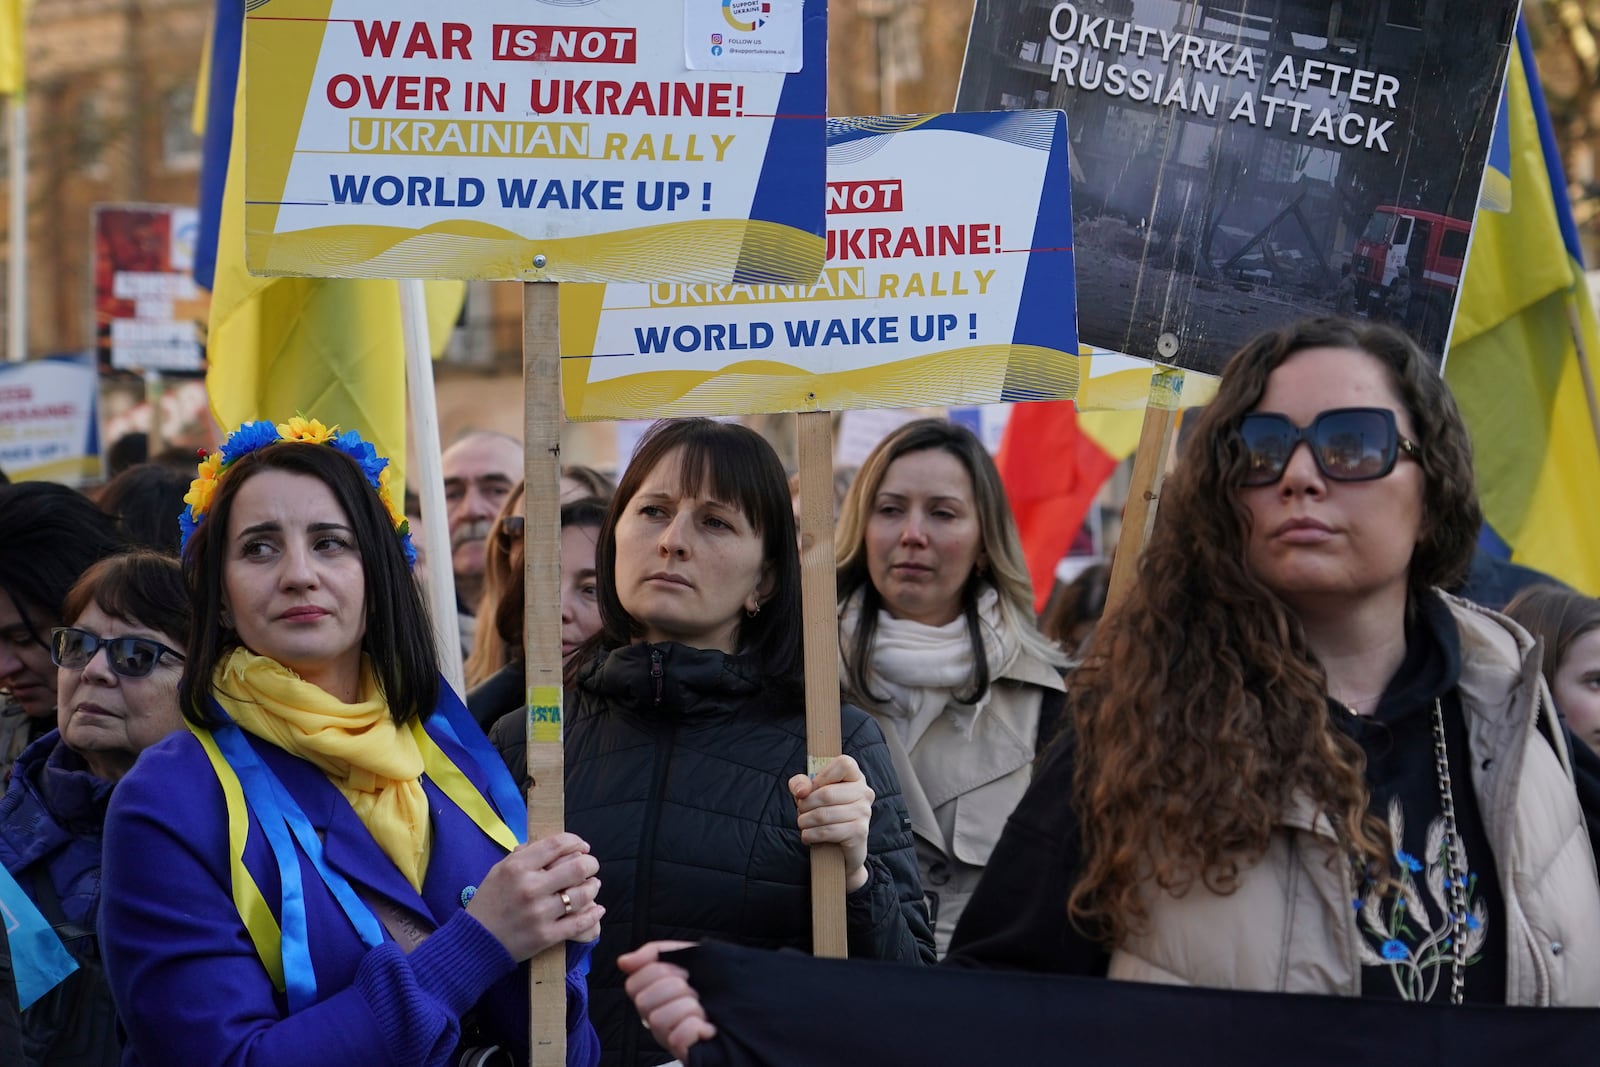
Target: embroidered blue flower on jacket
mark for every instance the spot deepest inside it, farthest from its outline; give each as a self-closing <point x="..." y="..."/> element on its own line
<point x="1407" y="931"/>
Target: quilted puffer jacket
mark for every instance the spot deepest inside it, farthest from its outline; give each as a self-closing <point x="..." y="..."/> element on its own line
<point x="50" y="821"/>
<point x="677" y="761"/>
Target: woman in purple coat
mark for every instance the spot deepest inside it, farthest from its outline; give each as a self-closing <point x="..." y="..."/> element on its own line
<point x="325" y="867"/>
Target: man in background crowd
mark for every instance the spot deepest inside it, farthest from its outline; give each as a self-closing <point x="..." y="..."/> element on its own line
<point x="480" y="470"/>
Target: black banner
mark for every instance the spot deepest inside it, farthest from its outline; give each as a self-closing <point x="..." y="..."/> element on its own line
<point x="789" y="1010"/>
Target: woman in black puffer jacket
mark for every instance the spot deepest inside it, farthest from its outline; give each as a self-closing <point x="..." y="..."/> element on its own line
<point x="685" y="732"/>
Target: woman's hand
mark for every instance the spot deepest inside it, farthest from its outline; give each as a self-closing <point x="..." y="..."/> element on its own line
<point x="664" y="998"/>
<point x="521" y="899"/>
<point x="836" y="809"/>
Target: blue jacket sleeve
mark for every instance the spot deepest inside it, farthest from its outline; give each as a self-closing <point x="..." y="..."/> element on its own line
<point x="188" y="984"/>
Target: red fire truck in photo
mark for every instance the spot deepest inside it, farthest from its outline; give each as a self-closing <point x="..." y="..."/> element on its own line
<point x="1401" y="249"/>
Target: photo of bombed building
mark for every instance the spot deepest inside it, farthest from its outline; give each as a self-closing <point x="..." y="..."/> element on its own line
<point x="1237" y="164"/>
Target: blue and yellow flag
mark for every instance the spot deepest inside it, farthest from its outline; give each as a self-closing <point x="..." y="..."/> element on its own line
<point x="1524" y="328"/>
<point x="333" y="349"/>
<point x="13" y="17"/>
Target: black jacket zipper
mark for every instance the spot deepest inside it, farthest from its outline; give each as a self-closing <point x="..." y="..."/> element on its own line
<point x="666" y="734"/>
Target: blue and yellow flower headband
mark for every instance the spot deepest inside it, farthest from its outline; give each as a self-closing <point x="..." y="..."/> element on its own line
<point x="253" y="436"/>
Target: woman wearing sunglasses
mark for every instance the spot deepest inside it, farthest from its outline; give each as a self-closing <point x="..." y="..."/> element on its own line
<point x="1292" y="764"/>
<point x="326" y="866"/>
<point x="117" y="683"/>
<point x="1296" y="764"/>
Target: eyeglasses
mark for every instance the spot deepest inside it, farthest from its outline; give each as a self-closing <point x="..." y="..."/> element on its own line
<point x="131" y="657"/>
<point x="510" y="531"/>
<point x="1348" y="444"/>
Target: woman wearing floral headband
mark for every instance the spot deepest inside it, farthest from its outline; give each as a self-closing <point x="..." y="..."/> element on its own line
<point x="325" y="867"/>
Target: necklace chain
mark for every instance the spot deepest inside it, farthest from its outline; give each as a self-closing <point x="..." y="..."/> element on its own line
<point x="1351" y="705"/>
<point x="1455" y="861"/>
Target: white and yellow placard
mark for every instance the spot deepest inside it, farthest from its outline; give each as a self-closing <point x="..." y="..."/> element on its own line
<point x="945" y="285"/>
<point x="531" y="140"/>
<point x="48" y="427"/>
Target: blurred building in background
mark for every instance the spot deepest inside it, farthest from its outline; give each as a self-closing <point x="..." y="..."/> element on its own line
<point x="110" y="103"/>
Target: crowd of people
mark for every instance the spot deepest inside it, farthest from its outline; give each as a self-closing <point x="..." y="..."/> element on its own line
<point x="1289" y="761"/>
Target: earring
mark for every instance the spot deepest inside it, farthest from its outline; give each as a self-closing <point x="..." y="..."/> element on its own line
<point x="225" y="619"/>
<point x="751" y="613"/>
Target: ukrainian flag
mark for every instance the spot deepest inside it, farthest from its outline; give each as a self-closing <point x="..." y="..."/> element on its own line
<point x="13" y="17"/>
<point x="333" y="350"/>
<point x="1525" y="334"/>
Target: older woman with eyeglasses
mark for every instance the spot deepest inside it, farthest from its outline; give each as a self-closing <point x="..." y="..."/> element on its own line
<point x="49" y="535"/>
<point x="117" y="694"/>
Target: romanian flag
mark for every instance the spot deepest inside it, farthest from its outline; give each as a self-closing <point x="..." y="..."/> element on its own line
<point x="333" y="350"/>
<point x="1523" y="333"/>
<point x="13" y="17"/>
<point x="1053" y="460"/>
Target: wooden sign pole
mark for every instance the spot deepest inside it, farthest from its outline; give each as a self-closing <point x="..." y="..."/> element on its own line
<point x="542" y="635"/>
<point x="1144" y="490"/>
<point x="819" y="602"/>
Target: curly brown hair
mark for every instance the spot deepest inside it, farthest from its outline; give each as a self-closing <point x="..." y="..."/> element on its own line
<point x="1200" y="708"/>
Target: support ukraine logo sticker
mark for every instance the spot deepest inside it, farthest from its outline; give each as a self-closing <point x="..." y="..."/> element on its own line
<point x="747" y="16"/>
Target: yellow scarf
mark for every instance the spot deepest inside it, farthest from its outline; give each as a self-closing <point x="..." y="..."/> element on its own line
<point x="374" y="763"/>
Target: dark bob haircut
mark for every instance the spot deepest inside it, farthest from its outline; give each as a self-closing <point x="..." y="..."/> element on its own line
<point x="734" y="464"/>
<point x="141" y="586"/>
<point x="145" y="501"/>
<point x="1451" y="516"/>
<point x="49" y="535"/>
<point x="509" y="614"/>
<point x="398" y="641"/>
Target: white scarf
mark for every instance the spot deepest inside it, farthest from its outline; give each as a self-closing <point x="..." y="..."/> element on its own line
<point x="919" y="668"/>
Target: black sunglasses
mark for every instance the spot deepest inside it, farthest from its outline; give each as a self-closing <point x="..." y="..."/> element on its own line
<point x="1348" y="444"/>
<point x="131" y="657"/>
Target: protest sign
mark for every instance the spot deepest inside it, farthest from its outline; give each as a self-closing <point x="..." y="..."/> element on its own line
<point x="48" y="430"/>
<point x="545" y="141"/>
<point x="1232" y="160"/>
<point x="148" y="310"/>
<point x="945" y="284"/>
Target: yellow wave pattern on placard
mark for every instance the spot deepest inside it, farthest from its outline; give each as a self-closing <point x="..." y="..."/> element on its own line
<point x="73" y="470"/>
<point x="696" y="250"/>
<point x="977" y="374"/>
